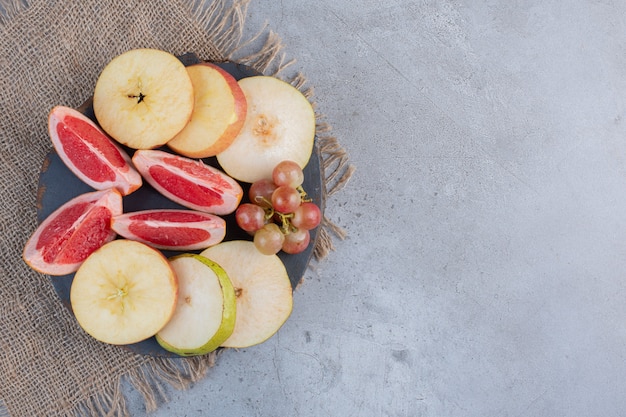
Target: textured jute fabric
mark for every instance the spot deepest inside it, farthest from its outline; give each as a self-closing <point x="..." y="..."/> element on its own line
<point x="51" y="53"/>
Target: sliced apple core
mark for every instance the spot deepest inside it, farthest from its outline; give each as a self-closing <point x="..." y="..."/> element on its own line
<point x="263" y="291"/>
<point x="218" y="115"/>
<point x="143" y="98"/>
<point x="124" y="292"/>
<point x="280" y="125"/>
<point x="205" y="311"/>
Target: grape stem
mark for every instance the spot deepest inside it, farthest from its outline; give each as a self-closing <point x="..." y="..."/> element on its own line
<point x="304" y="197"/>
<point x="285" y="218"/>
<point x="285" y="223"/>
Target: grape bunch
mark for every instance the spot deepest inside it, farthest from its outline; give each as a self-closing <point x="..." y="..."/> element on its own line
<point x="279" y="214"/>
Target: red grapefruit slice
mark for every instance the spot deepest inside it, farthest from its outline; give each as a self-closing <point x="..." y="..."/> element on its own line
<point x="89" y="153"/>
<point x="171" y="229"/>
<point x="189" y="182"/>
<point x="72" y="232"/>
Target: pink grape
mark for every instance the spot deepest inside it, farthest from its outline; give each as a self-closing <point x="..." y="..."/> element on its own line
<point x="250" y="217"/>
<point x="286" y="199"/>
<point x="296" y="242"/>
<point x="269" y="239"/>
<point x="288" y="173"/>
<point x="261" y="191"/>
<point x="308" y="216"/>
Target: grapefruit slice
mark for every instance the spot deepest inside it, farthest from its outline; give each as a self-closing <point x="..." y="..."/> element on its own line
<point x="72" y="232"/>
<point x="171" y="229"/>
<point x="89" y="153"/>
<point x="189" y="182"/>
<point x="262" y="287"/>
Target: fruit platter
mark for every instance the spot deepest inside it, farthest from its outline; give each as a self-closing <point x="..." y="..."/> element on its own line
<point x="179" y="207"/>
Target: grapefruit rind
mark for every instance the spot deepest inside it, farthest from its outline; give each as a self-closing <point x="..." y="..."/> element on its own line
<point x="112" y="160"/>
<point x="70" y="239"/>
<point x="189" y="182"/>
<point x="171" y="229"/>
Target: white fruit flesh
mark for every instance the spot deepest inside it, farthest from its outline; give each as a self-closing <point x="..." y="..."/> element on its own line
<point x="143" y="98"/>
<point x="124" y="293"/>
<point x="263" y="290"/>
<point x="205" y="312"/>
<point x="218" y="115"/>
<point x="280" y="125"/>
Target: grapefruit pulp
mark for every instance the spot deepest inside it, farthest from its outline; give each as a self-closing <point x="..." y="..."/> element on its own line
<point x="171" y="229"/>
<point x="189" y="182"/>
<point x="72" y="232"/>
<point x="89" y="153"/>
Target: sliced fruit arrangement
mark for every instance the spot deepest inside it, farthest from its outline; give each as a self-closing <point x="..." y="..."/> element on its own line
<point x="218" y="114"/>
<point x="171" y="229"/>
<point x="124" y="292"/>
<point x="262" y="288"/>
<point x="205" y="312"/>
<point x="234" y="293"/>
<point x="89" y="153"/>
<point x="143" y="98"/>
<point x="72" y="232"/>
<point x="188" y="182"/>
<point x="280" y="125"/>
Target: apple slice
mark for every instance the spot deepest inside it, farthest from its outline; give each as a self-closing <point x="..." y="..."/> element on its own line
<point x="205" y="311"/>
<point x="143" y="98"/>
<point x="279" y="126"/>
<point x="262" y="287"/>
<point x="218" y="115"/>
<point x="124" y="292"/>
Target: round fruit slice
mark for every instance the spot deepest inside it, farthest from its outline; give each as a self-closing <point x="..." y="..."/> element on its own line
<point x="171" y="229"/>
<point x="189" y="182"/>
<point x="143" y="98"/>
<point x="218" y="114"/>
<point x="72" y="232"/>
<point x="280" y="125"/>
<point x="262" y="287"/>
<point x="205" y="311"/>
<point x="89" y="153"/>
<point x="124" y="292"/>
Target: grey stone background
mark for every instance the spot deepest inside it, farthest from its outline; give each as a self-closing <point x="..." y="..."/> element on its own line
<point x="484" y="270"/>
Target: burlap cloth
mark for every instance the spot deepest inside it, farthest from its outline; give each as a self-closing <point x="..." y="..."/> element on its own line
<point x="51" y="52"/>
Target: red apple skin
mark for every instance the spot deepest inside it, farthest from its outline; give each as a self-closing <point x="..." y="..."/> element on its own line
<point x="241" y="109"/>
<point x="227" y="137"/>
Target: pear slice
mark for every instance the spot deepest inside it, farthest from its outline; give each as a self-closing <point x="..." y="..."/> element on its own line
<point x="124" y="292"/>
<point x="279" y="126"/>
<point x="205" y="311"/>
<point x="262" y="287"/>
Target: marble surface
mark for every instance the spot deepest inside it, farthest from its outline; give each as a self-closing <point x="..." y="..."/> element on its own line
<point x="484" y="269"/>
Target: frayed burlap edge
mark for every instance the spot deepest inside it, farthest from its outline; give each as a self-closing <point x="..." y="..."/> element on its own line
<point x="225" y="21"/>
